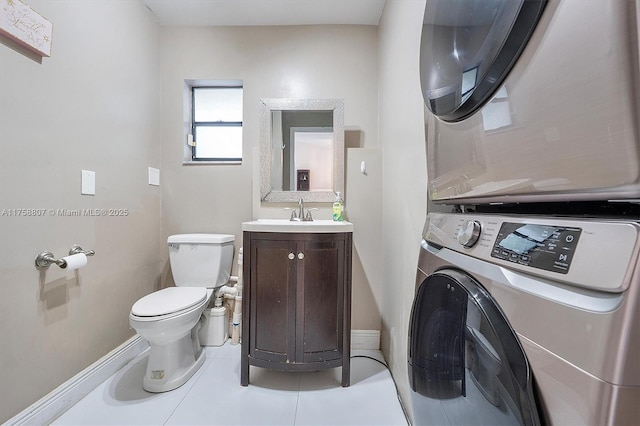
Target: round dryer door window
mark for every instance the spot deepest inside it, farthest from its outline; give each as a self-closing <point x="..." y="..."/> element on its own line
<point x="466" y="365"/>
<point x="467" y="49"/>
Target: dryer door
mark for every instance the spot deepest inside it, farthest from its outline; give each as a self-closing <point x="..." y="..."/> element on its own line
<point x="466" y="365"/>
<point x="556" y="113"/>
<point x="467" y="49"/>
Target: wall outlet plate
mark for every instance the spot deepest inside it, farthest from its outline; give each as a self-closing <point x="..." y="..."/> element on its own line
<point x="88" y="186"/>
<point x="154" y="176"/>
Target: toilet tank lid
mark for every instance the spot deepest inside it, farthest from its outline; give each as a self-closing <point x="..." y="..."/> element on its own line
<point x="200" y="238"/>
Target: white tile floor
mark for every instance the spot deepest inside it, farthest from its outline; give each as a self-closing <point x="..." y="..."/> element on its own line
<point x="214" y="396"/>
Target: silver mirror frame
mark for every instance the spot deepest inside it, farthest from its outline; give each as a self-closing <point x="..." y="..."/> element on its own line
<point x="286" y="104"/>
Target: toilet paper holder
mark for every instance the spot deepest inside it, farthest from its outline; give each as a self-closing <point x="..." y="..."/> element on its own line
<point x="46" y="258"/>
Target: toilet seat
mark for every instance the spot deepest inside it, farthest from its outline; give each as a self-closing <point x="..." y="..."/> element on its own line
<point x="168" y="302"/>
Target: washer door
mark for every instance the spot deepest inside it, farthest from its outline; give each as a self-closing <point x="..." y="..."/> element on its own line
<point x="467" y="49"/>
<point x="466" y="365"/>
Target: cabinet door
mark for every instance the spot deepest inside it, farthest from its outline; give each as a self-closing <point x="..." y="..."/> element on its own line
<point x="320" y="299"/>
<point x="273" y="299"/>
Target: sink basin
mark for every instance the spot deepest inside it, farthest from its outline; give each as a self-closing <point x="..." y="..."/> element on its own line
<point x="286" y="225"/>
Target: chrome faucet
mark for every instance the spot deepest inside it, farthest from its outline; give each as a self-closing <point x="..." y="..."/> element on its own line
<point x="301" y="216"/>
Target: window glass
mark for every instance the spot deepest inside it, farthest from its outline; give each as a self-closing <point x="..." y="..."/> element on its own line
<point x="216" y="123"/>
<point x="217" y="104"/>
<point x="219" y="142"/>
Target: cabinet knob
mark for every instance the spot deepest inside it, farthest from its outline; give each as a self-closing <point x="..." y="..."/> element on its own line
<point x="300" y="255"/>
<point x="291" y="256"/>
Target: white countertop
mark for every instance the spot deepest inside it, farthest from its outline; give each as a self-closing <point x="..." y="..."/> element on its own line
<point x="286" y="225"/>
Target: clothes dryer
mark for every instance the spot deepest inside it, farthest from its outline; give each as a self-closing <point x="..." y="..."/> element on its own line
<point x="526" y="320"/>
<point x="531" y="100"/>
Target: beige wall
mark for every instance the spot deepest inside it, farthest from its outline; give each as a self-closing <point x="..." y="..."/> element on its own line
<point x="273" y="62"/>
<point x="404" y="190"/>
<point x="110" y="100"/>
<point x="92" y="105"/>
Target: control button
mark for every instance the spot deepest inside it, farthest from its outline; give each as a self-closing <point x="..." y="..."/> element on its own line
<point x="469" y="233"/>
<point x="569" y="238"/>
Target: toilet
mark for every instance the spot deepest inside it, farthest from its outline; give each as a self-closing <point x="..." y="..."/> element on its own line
<point x="169" y="318"/>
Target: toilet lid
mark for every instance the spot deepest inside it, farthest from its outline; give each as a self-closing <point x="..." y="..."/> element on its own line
<point x="169" y="300"/>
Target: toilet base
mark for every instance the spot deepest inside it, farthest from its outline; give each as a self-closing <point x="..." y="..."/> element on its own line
<point x="172" y="365"/>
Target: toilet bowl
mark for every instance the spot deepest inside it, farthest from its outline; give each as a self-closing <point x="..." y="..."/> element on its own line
<point x="169" y="318"/>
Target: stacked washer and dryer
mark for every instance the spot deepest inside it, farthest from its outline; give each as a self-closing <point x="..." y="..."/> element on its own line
<point x="527" y="305"/>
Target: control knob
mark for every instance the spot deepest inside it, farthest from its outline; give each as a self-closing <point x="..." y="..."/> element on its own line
<point x="469" y="233"/>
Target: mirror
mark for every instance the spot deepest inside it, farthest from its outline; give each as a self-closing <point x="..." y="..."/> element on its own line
<point x="301" y="149"/>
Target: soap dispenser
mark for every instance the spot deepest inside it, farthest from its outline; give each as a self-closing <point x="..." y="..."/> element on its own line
<point x="338" y="208"/>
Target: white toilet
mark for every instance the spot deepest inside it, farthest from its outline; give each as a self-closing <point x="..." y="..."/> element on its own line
<point x="167" y="318"/>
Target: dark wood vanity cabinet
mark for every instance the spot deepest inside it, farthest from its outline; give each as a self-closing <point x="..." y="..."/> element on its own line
<point x="296" y="302"/>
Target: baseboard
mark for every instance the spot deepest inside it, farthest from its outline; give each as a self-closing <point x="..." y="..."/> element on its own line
<point x="365" y="339"/>
<point x="56" y="402"/>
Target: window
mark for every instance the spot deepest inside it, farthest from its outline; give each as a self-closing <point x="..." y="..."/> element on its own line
<point x="216" y="123"/>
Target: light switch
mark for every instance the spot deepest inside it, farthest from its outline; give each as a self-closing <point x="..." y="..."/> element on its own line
<point x="88" y="183"/>
<point x="154" y="176"/>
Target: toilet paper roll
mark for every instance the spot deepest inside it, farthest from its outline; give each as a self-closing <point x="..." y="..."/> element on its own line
<point x="75" y="261"/>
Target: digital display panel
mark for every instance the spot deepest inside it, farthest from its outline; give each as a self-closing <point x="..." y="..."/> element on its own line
<point x="540" y="246"/>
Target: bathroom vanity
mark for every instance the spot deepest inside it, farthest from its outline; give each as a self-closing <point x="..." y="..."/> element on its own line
<point x="296" y="296"/>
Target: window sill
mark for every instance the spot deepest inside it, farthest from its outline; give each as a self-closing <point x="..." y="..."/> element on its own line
<point x="211" y="163"/>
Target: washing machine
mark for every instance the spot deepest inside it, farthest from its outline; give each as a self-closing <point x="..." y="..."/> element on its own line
<point x="527" y="296"/>
<point x="531" y="100"/>
<point x="526" y="320"/>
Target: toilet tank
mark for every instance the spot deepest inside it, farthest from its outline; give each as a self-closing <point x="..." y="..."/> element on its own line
<point x="201" y="260"/>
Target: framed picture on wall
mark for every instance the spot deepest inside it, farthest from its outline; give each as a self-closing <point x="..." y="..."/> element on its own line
<point x="23" y="25"/>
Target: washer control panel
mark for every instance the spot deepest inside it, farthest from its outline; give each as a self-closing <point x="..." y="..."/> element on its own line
<point x="591" y="253"/>
<point x="540" y="246"/>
